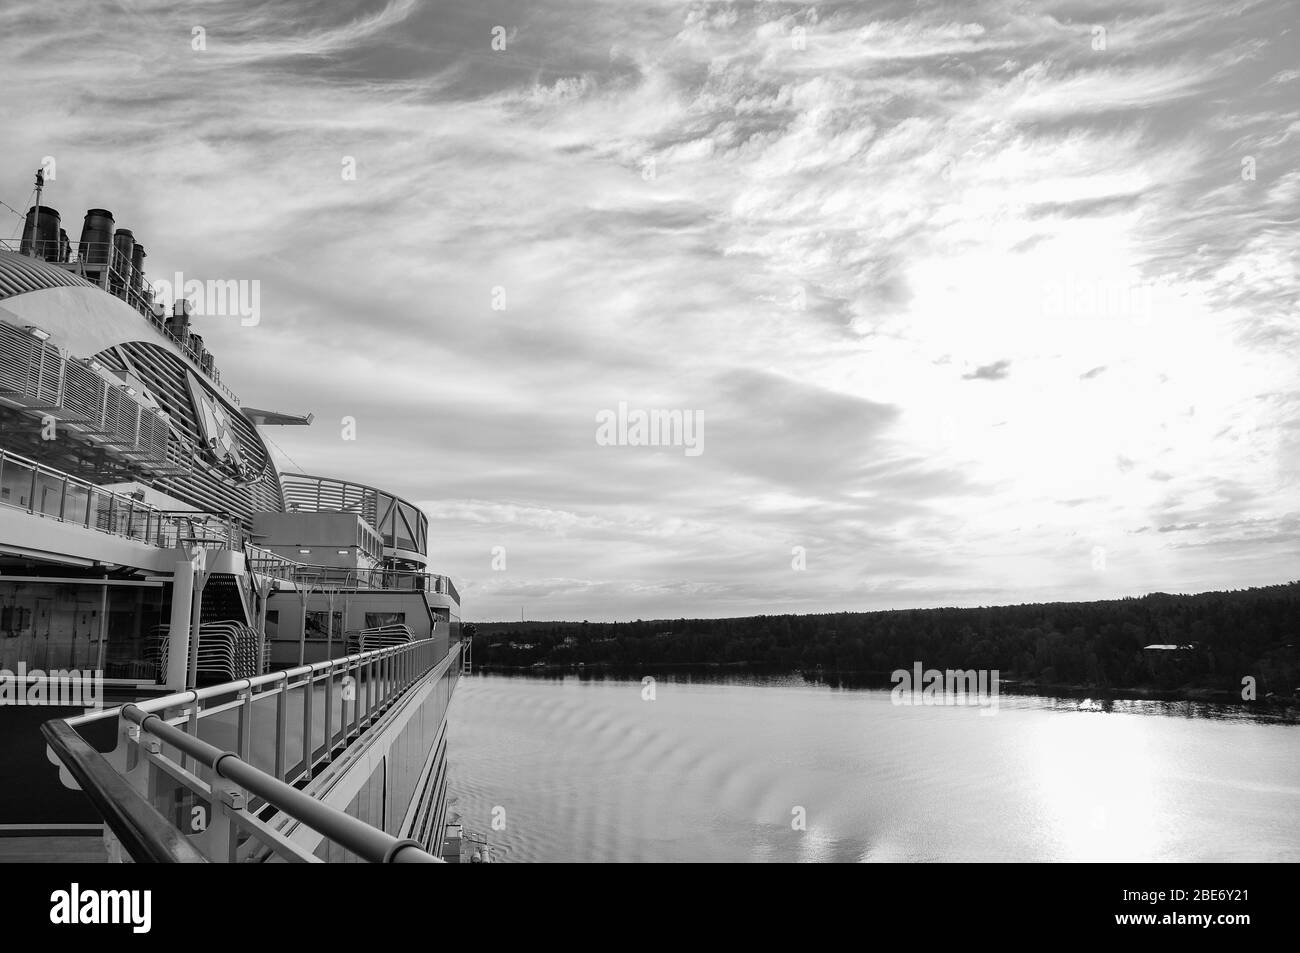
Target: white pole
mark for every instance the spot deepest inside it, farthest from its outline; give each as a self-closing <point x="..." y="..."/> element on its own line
<point x="178" y="633"/>
<point x="103" y="625"/>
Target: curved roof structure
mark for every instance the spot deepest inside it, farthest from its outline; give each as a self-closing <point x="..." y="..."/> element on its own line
<point x="403" y="525"/>
<point x="217" y="460"/>
<point x="19" y="274"/>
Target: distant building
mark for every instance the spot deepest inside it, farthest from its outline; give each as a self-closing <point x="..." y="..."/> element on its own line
<point x="1163" y="658"/>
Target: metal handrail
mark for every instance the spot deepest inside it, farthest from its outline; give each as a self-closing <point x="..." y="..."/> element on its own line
<point x="191" y="697"/>
<point x="355" y="580"/>
<point x="267" y="562"/>
<point x="124" y="515"/>
<point x="144" y="832"/>
<point x="321" y="494"/>
<point x="367" y="842"/>
<point x="381" y="677"/>
<point x="81" y="395"/>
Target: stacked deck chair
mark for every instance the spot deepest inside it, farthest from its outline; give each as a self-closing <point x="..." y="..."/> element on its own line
<point x="384" y="636"/>
<point x="155" y="648"/>
<point x="227" y="650"/>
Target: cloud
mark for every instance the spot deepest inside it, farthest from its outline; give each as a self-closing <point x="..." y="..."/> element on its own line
<point x="793" y="220"/>
<point x="996" y="371"/>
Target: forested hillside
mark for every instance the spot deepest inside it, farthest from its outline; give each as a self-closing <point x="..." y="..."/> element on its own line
<point x="1225" y="635"/>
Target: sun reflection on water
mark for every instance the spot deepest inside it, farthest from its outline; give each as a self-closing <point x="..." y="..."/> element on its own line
<point x="1094" y="774"/>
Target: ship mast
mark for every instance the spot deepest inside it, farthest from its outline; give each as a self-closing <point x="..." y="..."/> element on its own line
<point x="36" y="217"/>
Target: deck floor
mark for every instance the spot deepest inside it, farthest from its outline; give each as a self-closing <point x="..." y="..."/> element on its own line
<point x="43" y="849"/>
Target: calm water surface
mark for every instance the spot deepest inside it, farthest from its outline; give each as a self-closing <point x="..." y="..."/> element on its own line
<point x="586" y="770"/>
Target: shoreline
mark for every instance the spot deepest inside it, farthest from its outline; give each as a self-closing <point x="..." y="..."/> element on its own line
<point x="881" y="680"/>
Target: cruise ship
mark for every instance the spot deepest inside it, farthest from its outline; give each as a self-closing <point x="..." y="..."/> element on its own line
<point x="202" y="658"/>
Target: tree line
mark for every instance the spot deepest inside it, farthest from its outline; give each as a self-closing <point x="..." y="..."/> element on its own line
<point x="1222" y="637"/>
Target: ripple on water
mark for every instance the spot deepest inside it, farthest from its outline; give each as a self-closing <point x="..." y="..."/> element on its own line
<point x="587" y="771"/>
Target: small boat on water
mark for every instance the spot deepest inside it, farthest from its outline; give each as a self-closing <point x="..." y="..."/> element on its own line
<point x="460" y="845"/>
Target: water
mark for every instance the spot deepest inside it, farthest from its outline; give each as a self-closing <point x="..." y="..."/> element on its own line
<point x="586" y="770"/>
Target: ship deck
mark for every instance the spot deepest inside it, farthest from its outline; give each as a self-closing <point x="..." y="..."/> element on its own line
<point x="87" y="848"/>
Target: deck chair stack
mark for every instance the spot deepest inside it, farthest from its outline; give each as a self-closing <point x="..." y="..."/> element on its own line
<point x="227" y="650"/>
<point x="384" y="636"/>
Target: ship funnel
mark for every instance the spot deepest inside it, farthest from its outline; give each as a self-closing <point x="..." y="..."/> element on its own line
<point x="137" y="268"/>
<point x="96" y="237"/>
<point x="41" y="233"/>
<point x="178" y="325"/>
<point x="123" y="253"/>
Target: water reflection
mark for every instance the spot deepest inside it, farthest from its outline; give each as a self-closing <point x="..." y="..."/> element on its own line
<point x="1262" y="710"/>
<point x="715" y="767"/>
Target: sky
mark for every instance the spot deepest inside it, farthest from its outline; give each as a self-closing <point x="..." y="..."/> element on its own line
<point x="966" y="303"/>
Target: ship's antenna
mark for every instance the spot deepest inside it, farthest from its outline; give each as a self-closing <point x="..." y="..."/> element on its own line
<point x="36" y="218"/>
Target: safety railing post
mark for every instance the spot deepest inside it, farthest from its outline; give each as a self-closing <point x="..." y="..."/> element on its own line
<point x="136" y="769"/>
<point x="281" y="727"/>
<point x="245" y="722"/>
<point x="393" y="661"/>
<point x="371" y="688"/>
<point x="309" y="691"/>
<point x="329" y="711"/>
<point x="356" y="697"/>
<point x="193" y="728"/>
<point x="222" y="835"/>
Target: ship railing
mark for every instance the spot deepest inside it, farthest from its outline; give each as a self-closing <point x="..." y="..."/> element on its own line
<point x="400" y="523"/>
<point x="350" y="580"/>
<point x="54" y="494"/>
<point x="66" y="392"/>
<point x="224" y="766"/>
<point x="267" y="562"/>
<point x="102" y="264"/>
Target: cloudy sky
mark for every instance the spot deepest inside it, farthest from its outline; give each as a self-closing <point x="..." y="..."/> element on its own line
<point x="978" y="302"/>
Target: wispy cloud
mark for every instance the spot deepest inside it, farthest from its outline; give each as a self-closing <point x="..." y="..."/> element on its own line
<point x="821" y="227"/>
